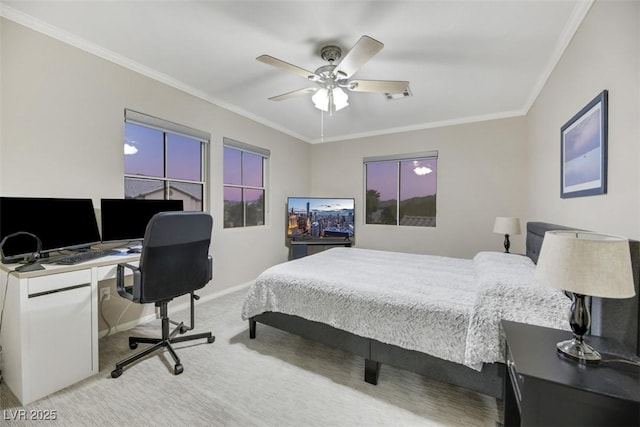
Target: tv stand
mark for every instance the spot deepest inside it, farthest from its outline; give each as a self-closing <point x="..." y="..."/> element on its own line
<point x="300" y="248"/>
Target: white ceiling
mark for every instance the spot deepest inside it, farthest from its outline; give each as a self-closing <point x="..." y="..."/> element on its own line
<point x="465" y="60"/>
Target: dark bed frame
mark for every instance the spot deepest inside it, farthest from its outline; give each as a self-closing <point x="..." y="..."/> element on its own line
<point x="612" y="318"/>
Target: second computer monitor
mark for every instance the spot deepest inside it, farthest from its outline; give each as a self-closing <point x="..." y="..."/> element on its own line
<point x="125" y="220"/>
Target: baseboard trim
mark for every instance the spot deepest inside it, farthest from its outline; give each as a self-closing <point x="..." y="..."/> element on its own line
<point x="127" y="325"/>
<point x="172" y="309"/>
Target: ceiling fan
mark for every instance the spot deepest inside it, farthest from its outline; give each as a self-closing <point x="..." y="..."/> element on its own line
<point x="331" y="80"/>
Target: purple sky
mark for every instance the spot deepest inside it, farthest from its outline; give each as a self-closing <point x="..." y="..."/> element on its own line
<point x="381" y="176"/>
<point x="242" y="168"/>
<point x="183" y="154"/>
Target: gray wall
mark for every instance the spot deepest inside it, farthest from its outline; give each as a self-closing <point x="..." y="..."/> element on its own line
<point x="511" y="167"/>
<point x="481" y="175"/>
<point x="62" y="134"/>
<point x="604" y="54"/>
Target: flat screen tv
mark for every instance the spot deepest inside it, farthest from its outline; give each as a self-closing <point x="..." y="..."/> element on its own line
<point x="125" y="220"/>
<point x="320" y="217"/>
<point x="59" y="223"/>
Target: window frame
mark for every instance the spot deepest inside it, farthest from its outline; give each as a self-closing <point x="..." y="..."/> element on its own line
<point x="397" y="159"/>
<point x="170" y="128"/>
<point x="254" y="150"/>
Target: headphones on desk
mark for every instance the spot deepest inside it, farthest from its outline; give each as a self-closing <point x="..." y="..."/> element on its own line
<point x="31" y="262"/>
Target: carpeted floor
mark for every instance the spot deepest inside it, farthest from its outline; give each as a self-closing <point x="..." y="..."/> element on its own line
<point x="277" y="379"/>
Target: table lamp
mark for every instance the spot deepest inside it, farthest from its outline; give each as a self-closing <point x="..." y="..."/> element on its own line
<point x="507" y="226"/>
<point x="586" y="264"/>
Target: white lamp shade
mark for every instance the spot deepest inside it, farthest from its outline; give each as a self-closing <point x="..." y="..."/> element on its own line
<point x="507" y="225"/>
<point x="321" y="99"/>
<point x="586" y="263"/>
<point x="340" y="98"/>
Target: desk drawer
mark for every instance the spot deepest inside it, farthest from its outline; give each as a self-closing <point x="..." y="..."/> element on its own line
<point x="59" y="281"/>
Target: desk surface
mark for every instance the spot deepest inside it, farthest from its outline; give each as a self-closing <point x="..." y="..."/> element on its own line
<point x="57" y="268"/>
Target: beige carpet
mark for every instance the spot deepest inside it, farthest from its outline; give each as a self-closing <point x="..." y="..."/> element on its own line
<point x="277" y="379"/>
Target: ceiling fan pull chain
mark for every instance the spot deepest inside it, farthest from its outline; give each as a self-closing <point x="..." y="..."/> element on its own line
<point x="332" y="105"/>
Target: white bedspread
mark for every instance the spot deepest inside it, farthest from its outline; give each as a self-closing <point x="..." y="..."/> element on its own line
<point x="446" y="307"/>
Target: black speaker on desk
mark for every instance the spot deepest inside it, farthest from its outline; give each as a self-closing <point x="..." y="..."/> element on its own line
<point x="28" y="257"/>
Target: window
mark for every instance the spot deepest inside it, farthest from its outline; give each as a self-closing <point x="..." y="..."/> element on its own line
<point x="401" y="190"/>
<point x="244" y="184"/>
<point x="164" y="160"/>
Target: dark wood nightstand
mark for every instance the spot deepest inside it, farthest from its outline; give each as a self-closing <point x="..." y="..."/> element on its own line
<point x="544" y="389"/>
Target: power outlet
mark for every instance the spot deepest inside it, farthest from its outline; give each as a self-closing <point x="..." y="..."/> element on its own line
<point x="105" y="294"/>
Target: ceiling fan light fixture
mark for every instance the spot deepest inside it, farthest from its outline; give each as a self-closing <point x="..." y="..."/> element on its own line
<point x="334" y="78"/>
<point x="322" y="99"/>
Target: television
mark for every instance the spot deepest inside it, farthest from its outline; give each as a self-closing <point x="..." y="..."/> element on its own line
<point x="59" y="223"/>
<point x="125" y="220"/>
<point x="320" y="218"/>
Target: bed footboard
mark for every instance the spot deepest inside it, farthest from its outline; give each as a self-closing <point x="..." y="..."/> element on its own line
<point x="489" y="381"/>
<point x="314" y="331"/>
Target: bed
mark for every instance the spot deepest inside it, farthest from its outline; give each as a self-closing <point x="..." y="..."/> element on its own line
<point x="437" y="316"/>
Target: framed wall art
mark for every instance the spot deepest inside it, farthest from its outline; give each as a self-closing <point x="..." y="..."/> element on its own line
<point x="583" y="156"/>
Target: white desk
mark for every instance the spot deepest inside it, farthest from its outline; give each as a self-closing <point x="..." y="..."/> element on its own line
<point x="49" y="333"/>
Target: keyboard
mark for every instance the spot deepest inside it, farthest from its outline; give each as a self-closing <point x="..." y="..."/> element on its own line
<point x="81" y="257"/>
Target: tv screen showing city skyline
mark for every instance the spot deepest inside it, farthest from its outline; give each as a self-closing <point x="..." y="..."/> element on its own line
<point x="320" y="217"/>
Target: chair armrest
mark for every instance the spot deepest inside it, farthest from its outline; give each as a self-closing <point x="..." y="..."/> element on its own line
<point x="210" y="269"/>
<point x="134" y="295"/>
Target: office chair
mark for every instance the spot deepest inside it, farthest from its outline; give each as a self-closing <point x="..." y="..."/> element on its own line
<point x="174" y="261"/>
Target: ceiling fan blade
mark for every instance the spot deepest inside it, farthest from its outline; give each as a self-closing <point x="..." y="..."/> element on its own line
<point x="270" y="60"/>
<point x="293" y="94"/>
<point x="360" y="53"/>
<point x="378" y="86"/>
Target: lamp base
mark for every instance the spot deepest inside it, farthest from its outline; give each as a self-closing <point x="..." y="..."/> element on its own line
<point x="579" y="351"/>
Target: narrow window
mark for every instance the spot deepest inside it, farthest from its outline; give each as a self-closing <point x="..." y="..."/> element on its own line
<point x="244" y="184"/>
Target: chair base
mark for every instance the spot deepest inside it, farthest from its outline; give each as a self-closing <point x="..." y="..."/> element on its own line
<point x="160" y="343"/>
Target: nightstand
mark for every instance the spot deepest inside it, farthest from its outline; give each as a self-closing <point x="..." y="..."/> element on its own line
<point x="543" y="389"/>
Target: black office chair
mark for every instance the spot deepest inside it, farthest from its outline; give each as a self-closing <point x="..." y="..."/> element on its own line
<point x="174" y="261"/>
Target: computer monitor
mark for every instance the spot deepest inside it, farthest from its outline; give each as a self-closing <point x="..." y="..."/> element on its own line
<point x="125" y="220"/>
<point x="59" y="223"/>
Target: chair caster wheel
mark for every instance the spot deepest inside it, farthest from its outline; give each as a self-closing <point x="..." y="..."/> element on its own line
<point x="177" y="370"/>
<point x="133" y="345"/>
<point x="211" y="339"/>
<point x="116" y="373"/>
<point x="183" y="329"/>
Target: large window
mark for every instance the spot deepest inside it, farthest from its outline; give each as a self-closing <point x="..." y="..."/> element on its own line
<point x="164" y="160"/>
<point x="401" y="190"/>
<point x="244" y="184"/>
